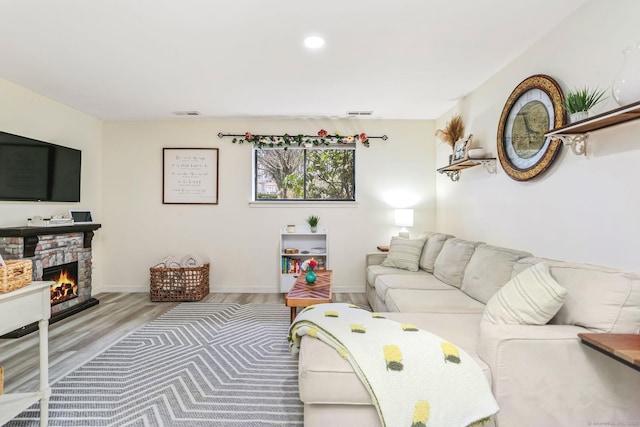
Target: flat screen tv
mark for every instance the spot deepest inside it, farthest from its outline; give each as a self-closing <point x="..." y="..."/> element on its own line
<point x="32" y="170"/>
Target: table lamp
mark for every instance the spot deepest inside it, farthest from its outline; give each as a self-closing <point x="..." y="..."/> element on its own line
<point x="404" y="218"/>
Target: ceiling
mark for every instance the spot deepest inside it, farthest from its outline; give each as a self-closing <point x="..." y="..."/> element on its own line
<point x="145" y="59"/>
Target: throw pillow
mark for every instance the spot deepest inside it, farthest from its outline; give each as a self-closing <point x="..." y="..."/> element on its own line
<point x="532" y="297"/>
<point x="404" y="253"/>
<point x="452" y="260"/>
<point x="431" y="250"/>
<point x="488" y="270"/>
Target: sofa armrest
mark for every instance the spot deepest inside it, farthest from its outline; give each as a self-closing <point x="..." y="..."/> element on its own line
<point x="494" y="337"/>
<point x="375" y="258"/>
<point x="544" y="375"/>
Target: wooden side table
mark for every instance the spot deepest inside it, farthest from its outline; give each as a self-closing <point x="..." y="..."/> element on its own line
<point x="304" y="295"/>
<point x="624" y="348"/>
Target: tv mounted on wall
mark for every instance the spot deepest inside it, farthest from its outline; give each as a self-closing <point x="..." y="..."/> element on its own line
<point x="32" y="170"/>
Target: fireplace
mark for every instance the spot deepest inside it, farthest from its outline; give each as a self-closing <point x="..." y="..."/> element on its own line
<point x="61" y="254"/>
<point x="65" y="278"/>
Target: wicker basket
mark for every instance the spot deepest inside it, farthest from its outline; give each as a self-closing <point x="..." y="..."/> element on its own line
<point x="16" y="275"/>
<point x="179" y="284"/>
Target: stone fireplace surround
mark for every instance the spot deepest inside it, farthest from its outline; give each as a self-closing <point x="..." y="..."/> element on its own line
<point x="48" y="247"/>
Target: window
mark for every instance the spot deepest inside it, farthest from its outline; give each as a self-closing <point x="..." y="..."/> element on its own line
<point x="305" y="174"/>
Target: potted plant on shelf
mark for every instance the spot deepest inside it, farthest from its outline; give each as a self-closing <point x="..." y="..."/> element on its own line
<point x="313" y="220"/>
<point x="579" y="101"/>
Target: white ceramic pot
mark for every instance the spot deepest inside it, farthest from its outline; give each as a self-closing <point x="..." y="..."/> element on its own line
<point x="476" y="153"/>
<point x="580" y="115"/>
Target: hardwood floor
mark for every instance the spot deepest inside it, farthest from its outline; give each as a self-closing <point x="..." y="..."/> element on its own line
<point x="77" y="339"/>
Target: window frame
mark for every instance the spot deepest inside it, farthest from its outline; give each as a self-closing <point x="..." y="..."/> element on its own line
<point x="254" y="168"/>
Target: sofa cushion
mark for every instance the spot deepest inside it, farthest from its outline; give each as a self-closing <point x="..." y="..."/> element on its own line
<point x="488" y="270"/>
<point x="406" y="281"/>
<point x="375" y="271"/>
<point x="374" y="300"/>
<point x="325" y="377"/>
<point x="432" y="249"/>
<point x="404" y="253"/>
<point x="461" y="329"/>
<point x="532" y="297"/>
<point x="431" y="301"/>
<point x="426" y="234"/>
<point x="598" y="298"/>
<point x="452" y="261"/>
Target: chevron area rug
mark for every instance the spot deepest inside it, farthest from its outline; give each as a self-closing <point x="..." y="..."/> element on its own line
<point x="200" y="364"/>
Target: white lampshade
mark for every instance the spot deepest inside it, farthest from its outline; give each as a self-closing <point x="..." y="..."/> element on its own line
<point x="404" y="218"/>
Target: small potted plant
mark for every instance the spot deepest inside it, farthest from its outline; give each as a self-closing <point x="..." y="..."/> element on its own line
<point x="313" y="220"/>
<point x="579" y="101"/>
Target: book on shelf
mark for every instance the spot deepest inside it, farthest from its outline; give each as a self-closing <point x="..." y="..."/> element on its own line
<point x="292" y="265"/>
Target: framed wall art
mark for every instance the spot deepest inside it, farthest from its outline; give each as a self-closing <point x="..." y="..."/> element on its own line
<point x="190" y="176"/>
<point x="461" y="148"/>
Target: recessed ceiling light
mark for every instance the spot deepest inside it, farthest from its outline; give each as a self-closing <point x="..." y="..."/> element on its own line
<point x="314" y="42"/>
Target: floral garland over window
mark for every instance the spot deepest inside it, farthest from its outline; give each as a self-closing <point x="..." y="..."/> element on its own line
<point x="286" y="140"/>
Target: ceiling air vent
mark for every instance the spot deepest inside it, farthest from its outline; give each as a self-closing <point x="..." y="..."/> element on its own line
<point x="186" y="113"/>
<point x="359" y="113"/>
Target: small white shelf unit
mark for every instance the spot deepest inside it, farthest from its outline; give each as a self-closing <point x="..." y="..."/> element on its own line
<point x="308" y="244"/>
<point x="17" y="309"/>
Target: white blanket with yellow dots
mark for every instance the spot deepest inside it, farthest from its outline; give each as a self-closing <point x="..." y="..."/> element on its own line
<point x="415" y="378"/>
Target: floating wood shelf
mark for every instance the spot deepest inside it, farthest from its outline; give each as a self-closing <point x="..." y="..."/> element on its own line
<point x="453" y="170"/>
<point x="576" y="134"/>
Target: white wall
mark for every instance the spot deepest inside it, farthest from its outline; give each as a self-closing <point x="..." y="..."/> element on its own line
<point x="581" y="209"/>
<point x="241" y="240"/>
<point x="26" y="113"/>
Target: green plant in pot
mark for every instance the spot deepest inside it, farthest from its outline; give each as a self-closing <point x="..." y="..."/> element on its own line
<point x="313" y="220"/>
<point x="579" y="101"/>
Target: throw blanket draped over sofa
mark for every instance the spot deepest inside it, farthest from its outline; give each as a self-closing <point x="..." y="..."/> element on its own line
<point x="415" y="378"/>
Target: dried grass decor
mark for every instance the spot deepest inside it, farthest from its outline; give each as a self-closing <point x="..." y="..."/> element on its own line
<point x="452" y="132"/>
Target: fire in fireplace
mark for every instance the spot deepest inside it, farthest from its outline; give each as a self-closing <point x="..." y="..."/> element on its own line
<point x="65" y="277"/>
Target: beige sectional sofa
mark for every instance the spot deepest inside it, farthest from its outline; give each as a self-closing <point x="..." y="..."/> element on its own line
<point x="469" y="293"/>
